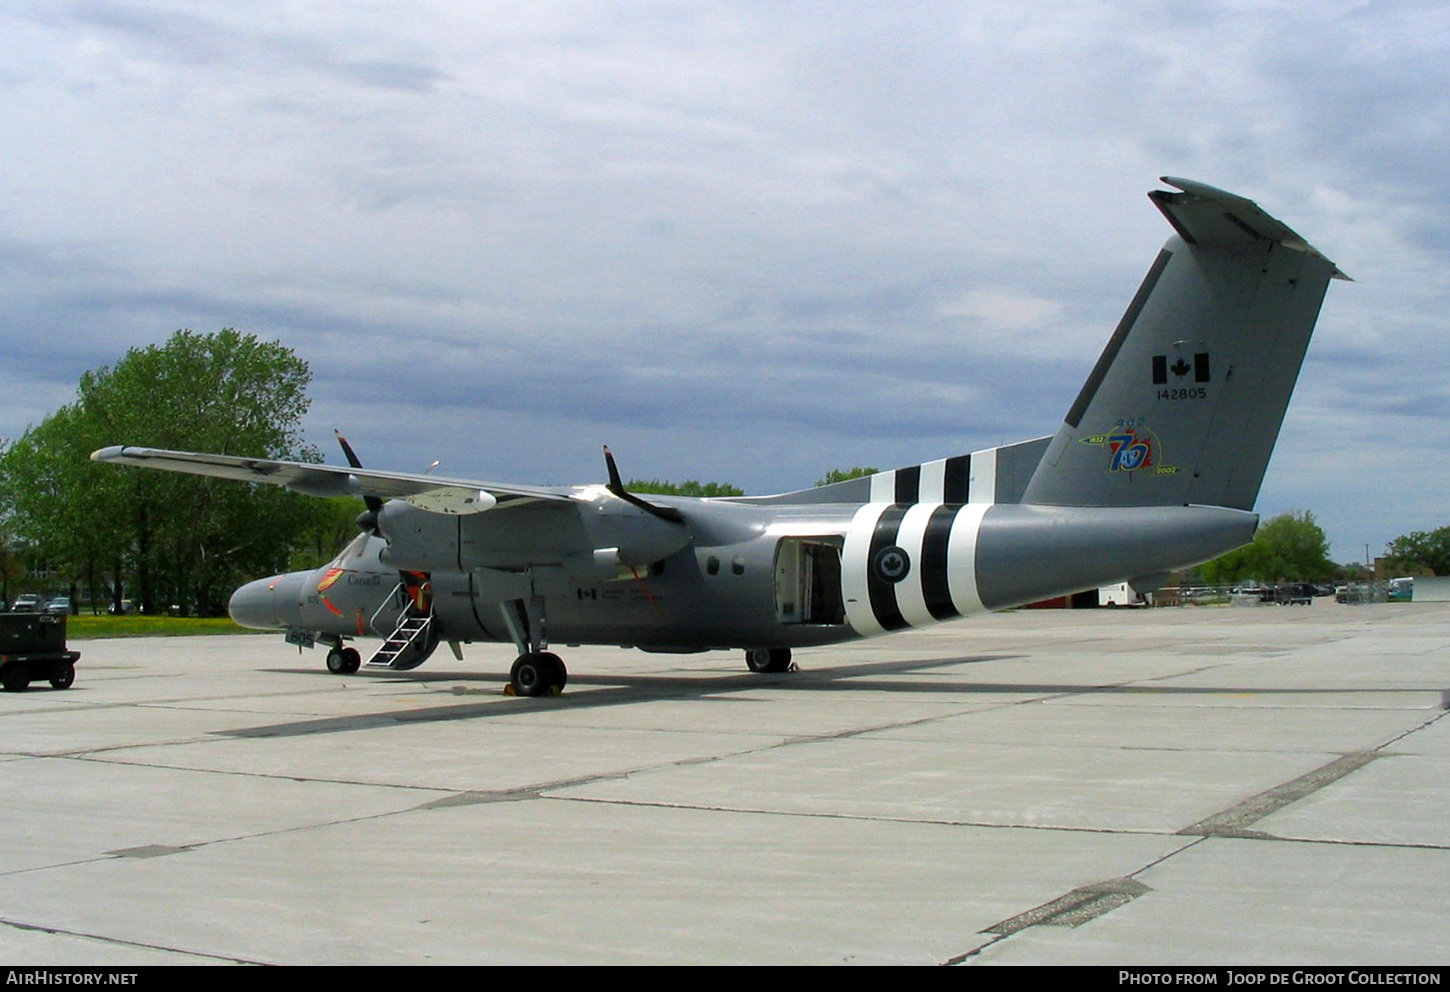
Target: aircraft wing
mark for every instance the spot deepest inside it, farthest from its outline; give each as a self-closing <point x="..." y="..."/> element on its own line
<point x="427" y="492"/>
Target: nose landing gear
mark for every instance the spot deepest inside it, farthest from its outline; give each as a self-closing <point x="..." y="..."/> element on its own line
<point x="343" y="661"/>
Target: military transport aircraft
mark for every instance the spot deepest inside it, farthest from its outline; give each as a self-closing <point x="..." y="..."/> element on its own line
<point x="1155" y="468"/>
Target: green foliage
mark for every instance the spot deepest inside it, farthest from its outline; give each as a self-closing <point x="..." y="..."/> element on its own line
<point x="1356" y="571"/>
<point x="12" y="563"/>
<point x="186" y="540"/>
<point x="1420" y="550"/>
<point x="1288" y="548"/>
<point x="57" y="500"/>
<point x="690" y="487"/>
<point x="334" y="524"/>
<point x="81" y="628"/>
<point x="841" y="475"/>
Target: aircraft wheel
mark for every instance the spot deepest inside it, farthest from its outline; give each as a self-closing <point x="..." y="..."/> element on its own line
<point x="337" y="661"/>
<point x="560" y="673"/>
<point x="63" y="676"/>
<point x="351" y="660"/>
<point x="767" y="659"/>
<point x="538" y="673"/>
<point x="15" y="678"/>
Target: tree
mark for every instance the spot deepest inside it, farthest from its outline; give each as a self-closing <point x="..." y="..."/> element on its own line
<point x="1356" y="571"/>
<point x="1290" y="547"/>
<point x="186" y="540"/>
<point x="690" y="487"/>
<point x="11" y="565"/>
<point x="62" y="507"/>
<point x="333" y="526"/>
<point x="1419" y="549"/>
<point x="841" y="475"/>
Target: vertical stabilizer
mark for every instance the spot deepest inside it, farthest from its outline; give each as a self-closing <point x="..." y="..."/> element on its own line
<point x="1186" y="401"/>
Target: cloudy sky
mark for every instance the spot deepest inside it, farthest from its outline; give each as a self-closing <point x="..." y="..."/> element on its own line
<point x="736" y="241"/>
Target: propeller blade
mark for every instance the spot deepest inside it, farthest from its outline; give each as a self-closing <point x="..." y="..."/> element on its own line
<point x="352" y="458"/>
<point x="616" y="486"/>
<point x="373" y="503"/>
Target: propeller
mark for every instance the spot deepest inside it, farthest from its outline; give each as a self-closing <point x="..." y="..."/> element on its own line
<point x="368" y="521"/>
<point x="617" y="488"/>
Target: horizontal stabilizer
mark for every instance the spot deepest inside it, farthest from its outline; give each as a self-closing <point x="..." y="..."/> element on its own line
<point x="1213" y="218"/>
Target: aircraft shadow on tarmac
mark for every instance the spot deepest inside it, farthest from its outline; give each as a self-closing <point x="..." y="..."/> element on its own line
<point x="623" y="690"/>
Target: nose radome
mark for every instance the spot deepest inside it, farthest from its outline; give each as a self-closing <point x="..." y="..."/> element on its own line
<point x="260" y="604"/>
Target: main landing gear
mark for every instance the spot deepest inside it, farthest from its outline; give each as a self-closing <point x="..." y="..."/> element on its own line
<point x="766" y="660"/>
<point x="538" y="673"/>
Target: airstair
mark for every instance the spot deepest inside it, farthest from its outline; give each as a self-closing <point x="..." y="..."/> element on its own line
<point x="410" y="634"/>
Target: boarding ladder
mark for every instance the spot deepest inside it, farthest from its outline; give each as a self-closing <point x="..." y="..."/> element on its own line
<point x="412" y="630"/>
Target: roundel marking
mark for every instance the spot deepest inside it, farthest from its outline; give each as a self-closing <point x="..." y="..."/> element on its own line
<point x="891" y="564"/>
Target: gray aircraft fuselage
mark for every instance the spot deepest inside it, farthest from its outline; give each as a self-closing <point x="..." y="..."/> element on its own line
<point x="751" y="576"/>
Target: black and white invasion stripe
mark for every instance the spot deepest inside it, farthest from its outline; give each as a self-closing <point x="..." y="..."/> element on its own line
<point x="963" y="479"/>
<point x="909" y="565"/>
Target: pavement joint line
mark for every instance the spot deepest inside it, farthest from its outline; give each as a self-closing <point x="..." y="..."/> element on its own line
<point x="122" y="942"/>
<point x="241" y="773"/>
<point x="1229" y="823"/>
<point x="1089" y="902"/>
<point x="1233" y="822"/>
<point x="1073" y="909"/>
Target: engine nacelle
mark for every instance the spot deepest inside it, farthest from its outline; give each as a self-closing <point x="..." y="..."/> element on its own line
<point x="583" y="533"/>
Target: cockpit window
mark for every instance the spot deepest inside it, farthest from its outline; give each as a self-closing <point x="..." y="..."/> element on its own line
<point x="354" y="548"/>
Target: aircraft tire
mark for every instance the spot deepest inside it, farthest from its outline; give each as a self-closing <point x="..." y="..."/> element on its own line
<point x="560" y="673"/>
<point x="764" y="660"/>
<point x="337" y="662"/>
<point x="539" y="673"/>
<point x="351" y="661"/>
<point x="63" y="676"/>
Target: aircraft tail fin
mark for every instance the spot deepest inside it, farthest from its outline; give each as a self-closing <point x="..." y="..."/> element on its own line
<point x="1185" y="404"/>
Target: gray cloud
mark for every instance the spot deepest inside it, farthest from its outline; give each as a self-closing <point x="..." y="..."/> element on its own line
<point x="738" y="241"/>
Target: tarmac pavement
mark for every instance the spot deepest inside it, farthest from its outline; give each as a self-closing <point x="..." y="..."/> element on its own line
<point x="1210" y="786"/>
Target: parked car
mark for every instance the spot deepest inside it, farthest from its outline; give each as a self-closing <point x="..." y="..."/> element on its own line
<point x="1294" y="594"/>
<point x="27" y="602"/>
<point x="59" y="605"/>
